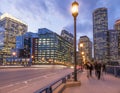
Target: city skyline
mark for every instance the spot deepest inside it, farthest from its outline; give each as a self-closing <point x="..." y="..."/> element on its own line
<point x="56" y="15"/>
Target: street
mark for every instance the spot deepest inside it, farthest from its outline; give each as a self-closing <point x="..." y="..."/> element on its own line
<point x="24" y="80"/>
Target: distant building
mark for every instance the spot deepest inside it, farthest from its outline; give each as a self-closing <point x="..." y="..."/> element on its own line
<point x="67" y="36"/>
<point x="78" y="58"/>
<point x="117" y="25"/>
<point x="51" y="48"/>
<point x="85" y="49"/>
<point x="11" y="27"/>
<point x="100" y="34"/>
<point x="114" y="52"/>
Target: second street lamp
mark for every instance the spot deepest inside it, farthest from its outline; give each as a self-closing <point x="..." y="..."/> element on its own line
<point x="75" y="14"/>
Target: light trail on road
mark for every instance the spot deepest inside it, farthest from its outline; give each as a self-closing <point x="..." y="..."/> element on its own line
<point x="14" y="80"/>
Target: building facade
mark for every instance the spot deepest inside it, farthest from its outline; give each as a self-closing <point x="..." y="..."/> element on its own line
<point x="67" y="36"/>
<point x="100" y="34"/>
<point x="51" y="48"/>
<point x="85" y="49"/>
<point x="113" y="45"/>
<point x="24" y="44"/>
<point x="11" y="27"/>
<point x="117" y="25"/>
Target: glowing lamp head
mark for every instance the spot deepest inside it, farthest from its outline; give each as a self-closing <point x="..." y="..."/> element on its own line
<point x="81" y="45"/>
<point x="14" y="53"/>
<point x="82" y="53"/>
<point x="74" y="9"/>
<point x="32" y="56"/>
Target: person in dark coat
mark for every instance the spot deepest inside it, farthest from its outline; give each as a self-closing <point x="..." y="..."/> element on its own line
<point x="95" y="67"/>
<point x="103" y="68"/>
<point x="89" y="68"/>
<point x="98" y="69"/>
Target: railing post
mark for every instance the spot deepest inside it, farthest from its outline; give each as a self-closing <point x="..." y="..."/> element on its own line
<point x="49" y="90"/>
<point x="64" y="80"/>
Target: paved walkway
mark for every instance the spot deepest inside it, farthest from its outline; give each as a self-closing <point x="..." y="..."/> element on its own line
<point x="107" y="84"/>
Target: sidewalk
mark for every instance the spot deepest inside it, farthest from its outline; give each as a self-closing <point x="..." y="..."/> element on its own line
<point x="107" y="84"/>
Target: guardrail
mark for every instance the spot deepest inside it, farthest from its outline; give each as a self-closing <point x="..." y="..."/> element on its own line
<point x="51" y="87"/>
<point x="115" y="70"/>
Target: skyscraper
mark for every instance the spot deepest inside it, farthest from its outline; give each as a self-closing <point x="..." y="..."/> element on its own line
<point x="117" y="28"/>
<point x="113" y="45"/>
<point x="100" y="34"/>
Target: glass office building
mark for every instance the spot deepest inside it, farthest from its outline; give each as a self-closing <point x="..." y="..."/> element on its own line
<point x="11" y="27"/>
<point x="113" y="45"/>
<point x="51" y="48"/>
<point x="100" y="34"/>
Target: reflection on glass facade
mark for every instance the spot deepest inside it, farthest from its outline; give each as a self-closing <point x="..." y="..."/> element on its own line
<point x="100" y="34"/>
<point x="52" y="48"/>
<point x="24" y="44"/>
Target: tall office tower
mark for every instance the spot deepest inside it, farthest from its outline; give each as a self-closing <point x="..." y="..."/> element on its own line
<point x="117" y="28"/>
<point x="67" y="36"/>
<point x="100" y="34"/>
<point x="85" y="49"/>
<point x="113" y="45"/>
<point x="11" y="27"/>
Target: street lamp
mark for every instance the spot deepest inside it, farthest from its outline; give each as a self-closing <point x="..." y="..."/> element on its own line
<point x="81" y="45"/>
<point x="75" y="14"/>
<point x="14" y="54"/>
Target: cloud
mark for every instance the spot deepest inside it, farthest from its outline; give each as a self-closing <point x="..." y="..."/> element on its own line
<point x="56" y="15"/>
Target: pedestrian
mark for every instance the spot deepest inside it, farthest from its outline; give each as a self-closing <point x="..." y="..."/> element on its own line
<point x="90" y="69"/>
<point x="103" y="68"/>
<point x="87" y="66"/>
<point x="95" y="67"/>
<point x="98" y="69"/>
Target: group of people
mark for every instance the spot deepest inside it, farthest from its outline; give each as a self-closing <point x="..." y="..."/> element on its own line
<point x="97" y="66"/>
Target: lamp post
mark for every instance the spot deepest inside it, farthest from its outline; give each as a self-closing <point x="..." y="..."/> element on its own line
<point x="14" y="54"/>
<point x="75" y="14"/>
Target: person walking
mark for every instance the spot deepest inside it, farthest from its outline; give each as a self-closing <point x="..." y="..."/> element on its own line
<point x="103" y="68"/>
<point x="95" y="68"/>
<point x="98" y="69"/>
<point x="89" y="68"/>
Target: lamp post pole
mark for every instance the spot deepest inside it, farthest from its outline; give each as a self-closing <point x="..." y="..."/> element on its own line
<point x="75" y="14"/>
<point x="75" y="69"/>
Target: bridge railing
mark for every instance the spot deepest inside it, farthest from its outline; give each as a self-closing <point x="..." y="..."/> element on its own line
<point x="51" y="87"/>
<point x="115" y="70"/>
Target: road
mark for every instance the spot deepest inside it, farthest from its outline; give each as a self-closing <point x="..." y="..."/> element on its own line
<point x="24" y="80"/>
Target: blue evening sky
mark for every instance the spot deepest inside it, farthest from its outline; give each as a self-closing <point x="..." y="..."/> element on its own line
<point x="56" y="15"/>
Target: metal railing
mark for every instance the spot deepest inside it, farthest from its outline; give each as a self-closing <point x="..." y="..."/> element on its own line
<point x="51" y="87"/>
<point x="115" y="70"/>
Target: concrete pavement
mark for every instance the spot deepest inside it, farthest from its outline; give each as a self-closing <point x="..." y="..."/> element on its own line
<point x="107" y="84"/>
